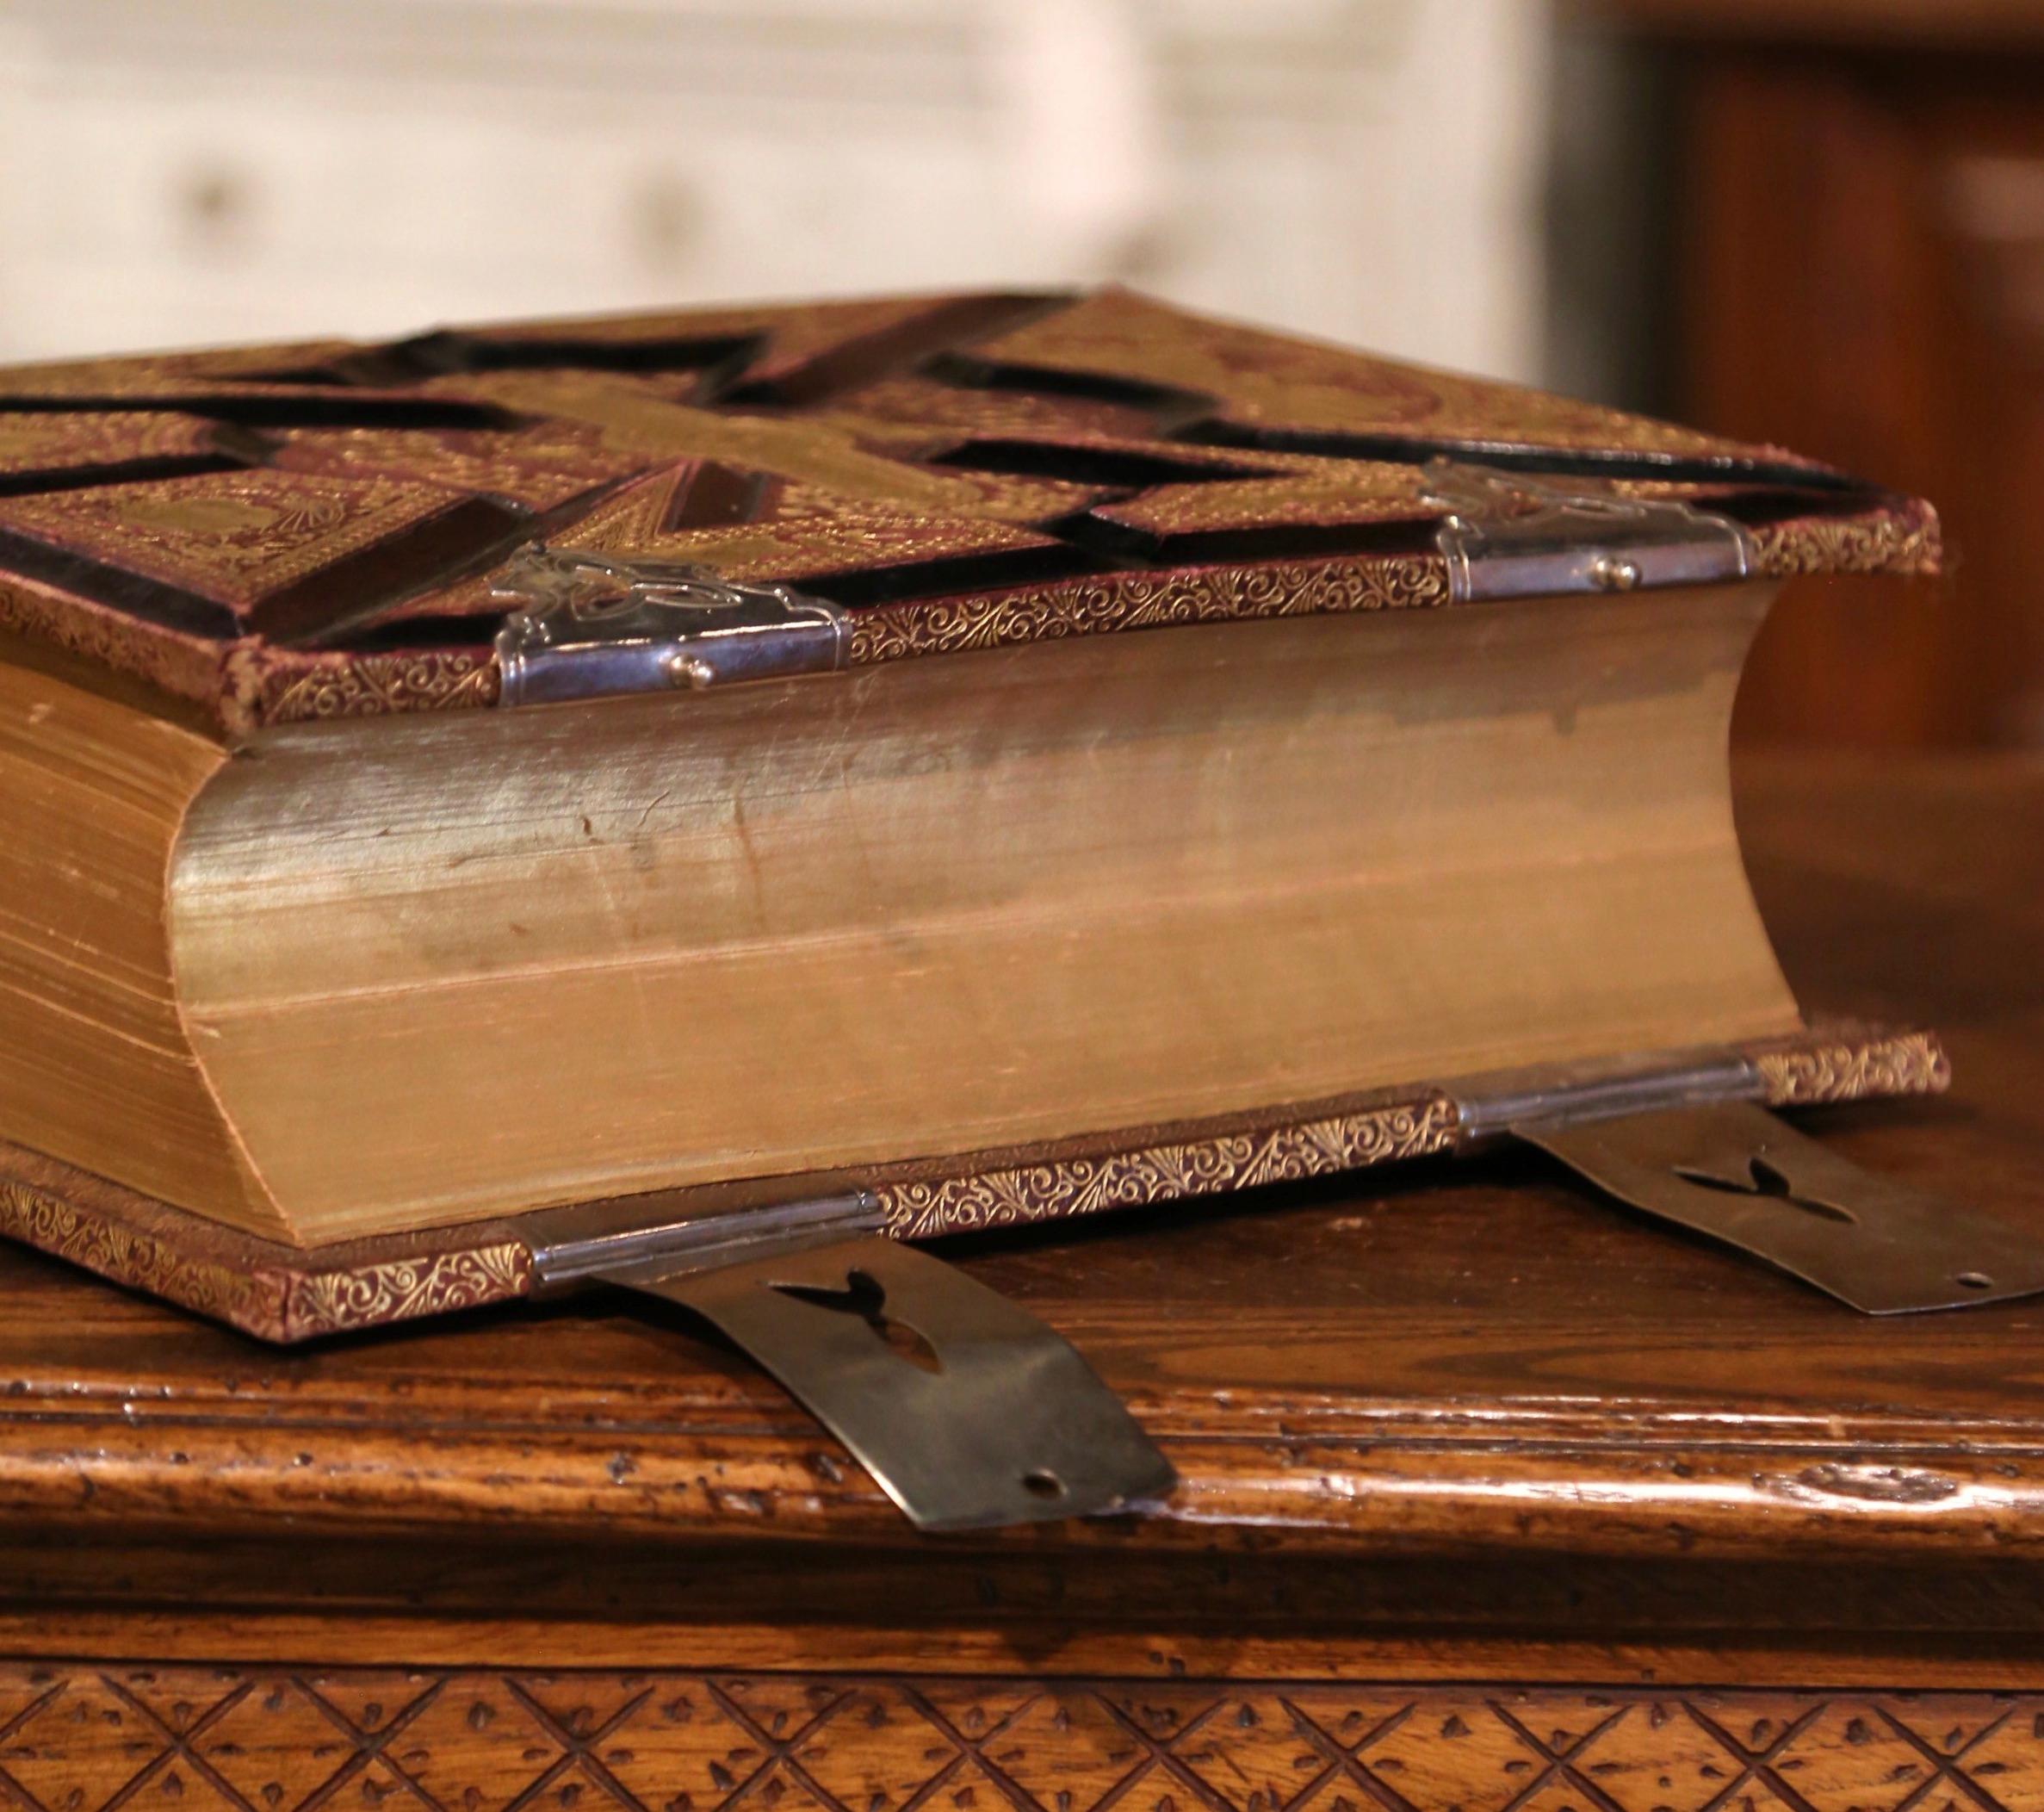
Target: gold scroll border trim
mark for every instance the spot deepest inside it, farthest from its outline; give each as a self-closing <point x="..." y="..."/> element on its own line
<point x="1061" y="1189"/>
<point x="1801" y="1072"/>
<point x="405" y="1289"/>
<point x="265" y="685"/>
<point x="1807" y="1071"/>
<point x="285" y="1303"/>
<point x="271" y="1302"/>
<point x="252" y="1300"/>
<point x="182" y="666"/>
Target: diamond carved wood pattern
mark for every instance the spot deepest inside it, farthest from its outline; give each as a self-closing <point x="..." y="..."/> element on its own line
<point x="79" y="1737"/>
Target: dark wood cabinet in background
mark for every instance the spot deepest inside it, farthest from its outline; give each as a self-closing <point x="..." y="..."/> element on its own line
<point x="1856" y="253"/>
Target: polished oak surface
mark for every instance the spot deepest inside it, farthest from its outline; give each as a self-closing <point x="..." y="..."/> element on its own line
<point x="1467" y="1421"/>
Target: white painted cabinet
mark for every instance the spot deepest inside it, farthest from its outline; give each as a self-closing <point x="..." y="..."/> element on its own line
<point x="180" y="171"/>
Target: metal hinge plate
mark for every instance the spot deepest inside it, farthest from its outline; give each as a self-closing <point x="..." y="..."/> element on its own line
<point x="589" y="626"/>
<point x="1515" y="535"/>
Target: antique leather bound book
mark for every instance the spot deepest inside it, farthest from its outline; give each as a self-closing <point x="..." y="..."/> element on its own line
<point x="473" y="801"/>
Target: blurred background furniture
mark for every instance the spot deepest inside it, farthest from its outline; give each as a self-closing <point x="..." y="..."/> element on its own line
<point x="1853" y="251"/>
<point x="193" y="170"/>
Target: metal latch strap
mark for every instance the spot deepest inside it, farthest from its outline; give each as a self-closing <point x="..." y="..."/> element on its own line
<point x="969" y="1411"/>
<point x="1733" y="1172"/>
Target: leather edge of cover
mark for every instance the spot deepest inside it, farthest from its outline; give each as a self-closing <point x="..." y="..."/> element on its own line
<point x="1900" y="536"/>
<point x="243" y="687"/>
<point x="262" y="686"/>
<point x="279" y="1293"/>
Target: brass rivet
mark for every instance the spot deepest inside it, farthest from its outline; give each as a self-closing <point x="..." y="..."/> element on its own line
<point x="1611" y="574"/>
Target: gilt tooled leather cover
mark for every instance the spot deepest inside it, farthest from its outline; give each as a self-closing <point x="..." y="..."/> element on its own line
<point x="278" y="533"/>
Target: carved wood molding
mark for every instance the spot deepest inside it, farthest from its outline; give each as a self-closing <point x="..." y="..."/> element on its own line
<point x="76" y="1737"/>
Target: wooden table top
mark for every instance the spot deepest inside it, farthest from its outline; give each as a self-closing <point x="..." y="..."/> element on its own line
<point x="1431" y="1374"/>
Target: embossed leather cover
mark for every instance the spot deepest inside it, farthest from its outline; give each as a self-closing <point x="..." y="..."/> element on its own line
<point x="277" y="533"/>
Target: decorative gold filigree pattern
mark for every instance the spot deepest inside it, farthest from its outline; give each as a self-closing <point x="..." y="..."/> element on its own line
<point x="404" y="1289"/>
<point x="270" y="1299"/>
<point x="1852" y="1068"/>
<point x="250" y="1300"/>
<point x="810" y="450"/>
<point x="263" y="690"/>
<point x="1351" y="491"/>
<point x="182" y="666"/>
<point x="1146" y="600"/>
<point x="800" y="531"/>
<point x="1261" y="380"/>
<point x="539" y="469"/>
<point x="74" y="1735"/>
<point x="1905" y="539"/>
<point x="64" y="441"/>
<point x="919" y="412"/>
<point x="1061" y="1187"/>
<point x="236" y="536"/>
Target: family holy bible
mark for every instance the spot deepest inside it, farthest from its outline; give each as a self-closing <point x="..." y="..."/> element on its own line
<point x="668" y="799"/>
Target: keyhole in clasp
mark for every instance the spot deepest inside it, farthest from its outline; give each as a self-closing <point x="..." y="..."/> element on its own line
<point x="866" y="1297"/>
<point x="1772" y="1184"/>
